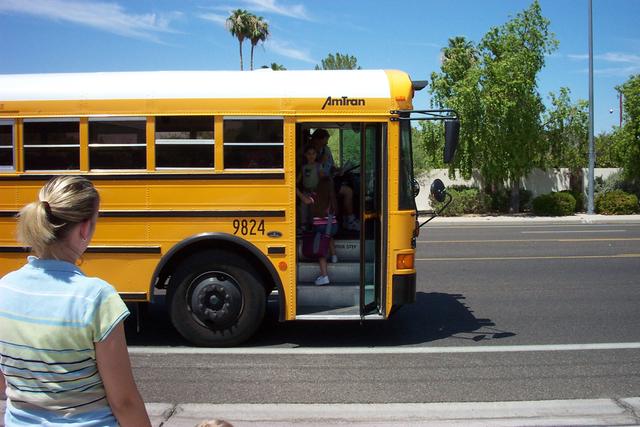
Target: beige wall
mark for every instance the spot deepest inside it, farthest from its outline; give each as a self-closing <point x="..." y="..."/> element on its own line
<point x="538" y="182"/>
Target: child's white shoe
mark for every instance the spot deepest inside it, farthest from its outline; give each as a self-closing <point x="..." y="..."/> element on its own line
<point x="322" y="280"/>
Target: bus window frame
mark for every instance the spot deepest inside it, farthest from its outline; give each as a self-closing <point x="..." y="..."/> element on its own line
<point x="186" y="142"/>
<point x="254" y="144"/>
<point x="13" y="146"/>
<point x="103" y="119"/>
<point x="28" y="120"/>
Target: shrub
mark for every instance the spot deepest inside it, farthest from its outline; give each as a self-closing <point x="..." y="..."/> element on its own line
<point x="616" y="202"/>
<point x="579" y="196"/>
<point x="617" y="181"/>
<point x="554" y="204"/>
<point x="465" y="200"/>
<point x="500" y="200"/>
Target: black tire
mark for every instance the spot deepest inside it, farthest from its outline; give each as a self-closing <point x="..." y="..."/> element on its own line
<point x="216" y="299"/>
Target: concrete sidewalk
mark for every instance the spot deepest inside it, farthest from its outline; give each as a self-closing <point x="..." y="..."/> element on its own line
<point x="582" y="412"/>
<point x="587" y="412"/>
<point x="523" y="219"/>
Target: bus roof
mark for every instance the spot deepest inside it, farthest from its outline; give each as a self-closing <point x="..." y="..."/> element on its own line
<point x="204" y="85"/>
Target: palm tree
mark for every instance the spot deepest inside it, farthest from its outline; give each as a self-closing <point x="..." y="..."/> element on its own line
<point x="258" y="32"/>
<point x="274" y="66"/>
<point x="238" y="24"/>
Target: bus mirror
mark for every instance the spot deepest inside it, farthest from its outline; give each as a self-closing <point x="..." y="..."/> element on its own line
<point x="451" y="138"/>
<point x="415" y="185"/>
<point x="438" y="191"/>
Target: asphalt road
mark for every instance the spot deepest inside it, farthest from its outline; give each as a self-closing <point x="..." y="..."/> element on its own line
<point x="485" y="294"/>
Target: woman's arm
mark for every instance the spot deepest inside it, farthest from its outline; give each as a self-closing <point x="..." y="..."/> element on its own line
<point x="115" y="369"/>
<point x="2" y="387"/>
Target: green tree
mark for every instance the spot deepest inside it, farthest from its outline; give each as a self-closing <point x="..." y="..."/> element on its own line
<point x="628" y="145"/>
<point x="428" y="146"/>
<point x="339" y="62"/>
<point x="496" y="96"/>
<point x="606" y="144"/>
<point x="566" y="131"/>
<point x="566" y="134"/>
<point x="238" y="24"/>
<point x="458" y="87"/>
<point x="258" y="32"/>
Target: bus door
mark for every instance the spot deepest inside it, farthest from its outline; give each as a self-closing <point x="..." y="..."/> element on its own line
<point x="372" y="241"/>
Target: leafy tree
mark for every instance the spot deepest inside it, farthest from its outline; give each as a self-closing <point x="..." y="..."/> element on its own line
<point x="566" y="131"/>
<point x="238" y="24"/>
<point x="497" y="98"/>
<point x="428" y="145"/>
<point x="629" y="142"/>
<point x="457" y="86"/>
<point x="258" y="31"/>
<point x="339" y="62"/>
<point x="606" y="144"/>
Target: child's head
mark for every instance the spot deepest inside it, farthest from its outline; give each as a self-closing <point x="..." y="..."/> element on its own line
<point x="310" y="153"/>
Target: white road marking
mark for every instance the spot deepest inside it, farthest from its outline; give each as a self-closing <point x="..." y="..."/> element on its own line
<point x="138" y="350"/>
<point x="572" y="231"/>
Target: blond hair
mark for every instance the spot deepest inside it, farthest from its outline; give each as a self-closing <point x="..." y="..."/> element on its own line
<point x="62" y="202"/>
<point x="214" y="423"/>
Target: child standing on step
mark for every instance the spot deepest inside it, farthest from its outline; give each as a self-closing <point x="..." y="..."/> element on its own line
<point x="323" y="211"/>
<point x="308" y="180"/>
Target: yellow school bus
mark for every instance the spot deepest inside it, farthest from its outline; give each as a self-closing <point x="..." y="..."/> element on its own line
<point x="197" y="177"/>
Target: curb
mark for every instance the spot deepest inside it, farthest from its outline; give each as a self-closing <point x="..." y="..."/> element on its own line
<point x="584" y="412"/>
<point x="528" y="220"/>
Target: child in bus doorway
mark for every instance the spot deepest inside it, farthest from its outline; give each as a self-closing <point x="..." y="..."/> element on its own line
<point x="308" y="179"/>
<point x="325" y="223"/>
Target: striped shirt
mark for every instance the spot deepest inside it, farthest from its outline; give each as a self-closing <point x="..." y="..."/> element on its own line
<point x="51" y="316"/>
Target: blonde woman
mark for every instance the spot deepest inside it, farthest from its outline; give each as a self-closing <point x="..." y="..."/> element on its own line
<point x="63" y="353"/>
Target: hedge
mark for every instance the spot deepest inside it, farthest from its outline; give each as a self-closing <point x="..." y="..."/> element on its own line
<point x="554" y="204"/>
<point x="466" y="200"/>
<point x="616" y="202"/>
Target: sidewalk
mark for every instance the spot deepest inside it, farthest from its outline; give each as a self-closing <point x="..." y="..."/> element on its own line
<point x="582" y="412"/>
<point x="525" y="219"/>
<point x="586" y="412"/>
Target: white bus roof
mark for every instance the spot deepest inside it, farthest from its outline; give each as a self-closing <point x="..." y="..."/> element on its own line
<point x="195" y="84"/>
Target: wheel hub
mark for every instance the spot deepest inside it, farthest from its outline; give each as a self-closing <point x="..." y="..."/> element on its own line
<point x="216" y="299"/>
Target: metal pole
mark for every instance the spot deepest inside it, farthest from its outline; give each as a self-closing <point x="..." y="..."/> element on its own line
<point x="592" y="160"/>
<point x="620" y="96"/>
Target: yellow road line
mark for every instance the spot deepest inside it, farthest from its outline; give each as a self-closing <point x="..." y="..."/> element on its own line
<point x="614" y="239"/>
<point x="529" y="257"/>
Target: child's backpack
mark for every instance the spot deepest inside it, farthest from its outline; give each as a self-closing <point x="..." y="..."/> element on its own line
<point x="315" y="244"/>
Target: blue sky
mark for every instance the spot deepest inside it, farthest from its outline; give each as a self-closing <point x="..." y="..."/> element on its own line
<point x="39" y="36"/>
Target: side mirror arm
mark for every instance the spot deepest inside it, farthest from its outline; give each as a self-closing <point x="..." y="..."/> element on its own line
<point x="439" y="211"/>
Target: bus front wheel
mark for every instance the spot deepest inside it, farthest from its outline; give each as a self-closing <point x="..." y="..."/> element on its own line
<point x="217" y="299"/>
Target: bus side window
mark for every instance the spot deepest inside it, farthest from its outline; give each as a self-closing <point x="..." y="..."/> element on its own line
<point x="117" y="143"/>
<point x="6" y="145"/>
<point x="253" y="143"/>
<point x="52" y="144"/>
<point x="184" y="142"/>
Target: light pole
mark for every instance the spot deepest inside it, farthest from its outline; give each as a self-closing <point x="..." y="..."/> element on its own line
<point x="592" y="160"/>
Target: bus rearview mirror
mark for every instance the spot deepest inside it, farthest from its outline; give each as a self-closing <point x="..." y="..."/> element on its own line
<point x="451" y="138"/>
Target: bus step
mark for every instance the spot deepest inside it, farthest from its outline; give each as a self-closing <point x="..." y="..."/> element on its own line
<point x="346" y="249"/>
<point x="316" y="312"/>
<point x="342" y="272"/>
<point x="333" y="295"/>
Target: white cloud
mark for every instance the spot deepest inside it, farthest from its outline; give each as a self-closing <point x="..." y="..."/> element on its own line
<point x="627" y="63"/>
<point x="215" y="18"/>
<point x="286" y="50"/>
<point x="109" y="17"/>
<point x="297" y="11"/>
